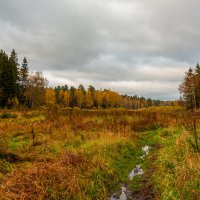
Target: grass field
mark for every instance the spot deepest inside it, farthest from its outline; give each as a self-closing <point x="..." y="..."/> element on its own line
<point x="87" y="154"/>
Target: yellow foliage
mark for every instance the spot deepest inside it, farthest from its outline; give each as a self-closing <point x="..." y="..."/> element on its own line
<point x="66" y="98"/>
<point x="50" y="96"/>
<point x="79" y="98"/>
<point x="88" y="99"/>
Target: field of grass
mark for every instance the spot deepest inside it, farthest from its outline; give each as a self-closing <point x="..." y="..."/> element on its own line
<point x="81" y="154"/>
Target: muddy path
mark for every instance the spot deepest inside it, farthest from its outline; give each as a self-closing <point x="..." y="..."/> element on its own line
<point x="144" y="183"/>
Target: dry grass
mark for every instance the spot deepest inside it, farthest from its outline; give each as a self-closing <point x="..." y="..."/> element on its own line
<point x="69" y="154"/>
<point x="66" y="178"/>
<point x="61" y="156"/>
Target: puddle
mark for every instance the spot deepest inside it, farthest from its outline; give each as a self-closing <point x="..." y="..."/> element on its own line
<point x="143" y="156"/>
<point x="125" y="193"/>
<point x="137" y="171"/>
<point x="146" y="149"/>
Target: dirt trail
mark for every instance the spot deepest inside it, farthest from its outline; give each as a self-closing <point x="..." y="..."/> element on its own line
<point x="145" y="192"/>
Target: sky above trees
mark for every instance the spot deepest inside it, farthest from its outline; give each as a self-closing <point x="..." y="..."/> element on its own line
<point x="131" y="46"/>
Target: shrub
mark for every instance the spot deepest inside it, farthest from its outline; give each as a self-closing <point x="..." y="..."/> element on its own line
<point x="8" y="115"/>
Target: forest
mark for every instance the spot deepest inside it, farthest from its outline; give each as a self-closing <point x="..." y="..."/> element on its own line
<point x="19" y="88"/>
<point x="68" y="143"/>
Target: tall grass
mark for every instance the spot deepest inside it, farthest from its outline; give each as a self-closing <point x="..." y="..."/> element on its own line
<point x="82" y="154"/>
<point x="177" y="174"/>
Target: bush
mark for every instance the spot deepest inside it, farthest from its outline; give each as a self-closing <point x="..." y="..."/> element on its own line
<point x="8" y="115"/>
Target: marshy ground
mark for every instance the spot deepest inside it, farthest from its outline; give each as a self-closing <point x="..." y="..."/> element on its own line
<point x="82" y="154"/>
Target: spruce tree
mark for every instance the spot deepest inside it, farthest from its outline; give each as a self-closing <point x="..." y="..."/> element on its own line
<point x="72" y="96"/>
<point x="24" y="73"/>
<point x="4" y="65"/>
<point x="13" y="78"/>
<point x="187" y="88"/>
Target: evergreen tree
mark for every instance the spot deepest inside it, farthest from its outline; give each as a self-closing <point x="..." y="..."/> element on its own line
<point x="197" y="69"/>
<point x="24" y="73"/>
<point x="72" y="96"/>
<point x="57" y="92"/>
<point x="81" y="87"/>
<point x="9" y="79"/>
<point x="12" y="77"/>
<point x="92" y="89"/>
<point x="4" y="65"/>
<point x="187" y="88"/>
<point x="65" y="88"/>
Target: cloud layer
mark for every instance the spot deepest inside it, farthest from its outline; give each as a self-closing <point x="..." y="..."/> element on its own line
<point x="131" y="46"/>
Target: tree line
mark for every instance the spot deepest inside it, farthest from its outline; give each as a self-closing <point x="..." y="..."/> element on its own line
<point x="92" y="98"/>
<point x="19" y="88"/>
<point x="190" y="88"/>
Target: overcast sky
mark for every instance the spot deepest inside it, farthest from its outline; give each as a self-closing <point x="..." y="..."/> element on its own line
<point x="138" y="47"/>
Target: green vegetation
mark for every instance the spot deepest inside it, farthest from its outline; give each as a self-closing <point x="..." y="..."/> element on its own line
<point x="177" y="165"/>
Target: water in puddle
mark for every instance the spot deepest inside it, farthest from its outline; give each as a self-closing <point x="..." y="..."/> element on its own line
<point x="146" y="149"/>
<point x="122" y="195"/>
<point x="136" y="171"/>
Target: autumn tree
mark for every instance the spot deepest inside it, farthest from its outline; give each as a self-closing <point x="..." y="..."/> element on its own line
<point x="50" y="97"/>
<point x="66" y="98"/>
<point x="112" y="99"/>
<point x="88" y="99"/>
<point x="197" y="85"/>
<point x="60" y="98"/>
<point x="80" y="96"/>
<point x="188" y="88"/>
<point x="35" y="92"/>
<point x="98" y="96"/>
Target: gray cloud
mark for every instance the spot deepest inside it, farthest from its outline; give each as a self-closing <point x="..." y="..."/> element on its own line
<point x="132" y="46"/>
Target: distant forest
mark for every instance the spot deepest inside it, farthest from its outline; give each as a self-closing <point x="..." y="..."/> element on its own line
<point x="20" y="88"/>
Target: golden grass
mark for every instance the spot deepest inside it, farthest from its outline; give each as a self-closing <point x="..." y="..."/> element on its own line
<point x="68" y="154"/>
